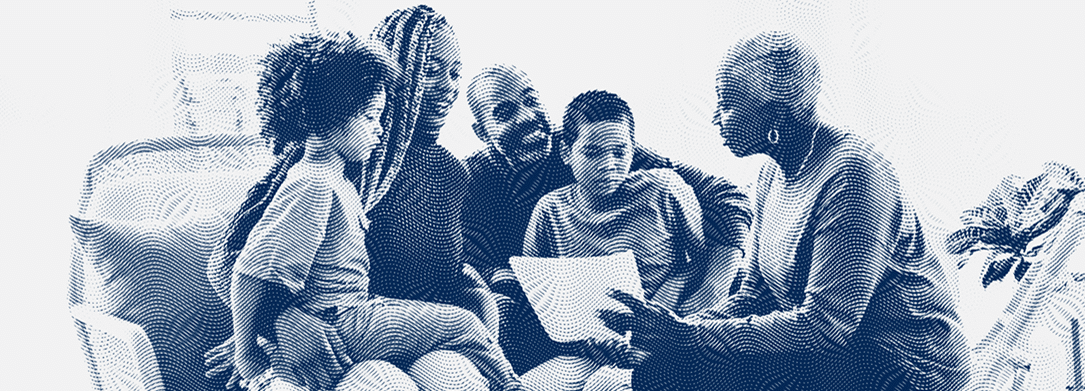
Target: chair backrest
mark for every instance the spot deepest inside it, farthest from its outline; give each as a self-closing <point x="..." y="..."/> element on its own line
<point x="150" y="215"/>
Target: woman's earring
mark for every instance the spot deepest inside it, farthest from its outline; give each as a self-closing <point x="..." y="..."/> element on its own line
<point x="774" y="136"/>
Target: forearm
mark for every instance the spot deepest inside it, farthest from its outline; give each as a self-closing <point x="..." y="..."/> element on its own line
<point x="795" y="333"/>
<point x="722" y="264"/>
<point x="255" y="304"/>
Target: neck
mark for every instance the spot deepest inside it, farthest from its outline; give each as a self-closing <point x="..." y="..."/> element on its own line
<point x="796" y="144"/>
<point x="595" y="202"/>
<point x="319" y="150"/>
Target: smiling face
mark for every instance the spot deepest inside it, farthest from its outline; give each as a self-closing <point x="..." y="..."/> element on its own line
<point x="601" y="156"/>
<point x="521" y="127"/>
<point x="512" y="118"/>
<point x="441" y="79"/>
<point x="355" y="141"/>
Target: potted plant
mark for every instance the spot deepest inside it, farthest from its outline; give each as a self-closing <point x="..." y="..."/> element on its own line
<point x="1031" y="228"/>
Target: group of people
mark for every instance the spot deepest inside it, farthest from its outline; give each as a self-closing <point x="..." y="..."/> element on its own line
<point x="367" y="240"/>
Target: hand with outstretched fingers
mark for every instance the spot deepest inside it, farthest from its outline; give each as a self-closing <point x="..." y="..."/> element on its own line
<point x="653" y="326"/>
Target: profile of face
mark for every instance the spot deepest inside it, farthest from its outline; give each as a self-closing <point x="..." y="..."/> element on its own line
<point x="517" y="123"/>
<point x="743" y="115"/>
<point x="355" y="140"/>
<point x="601" y="156"/>
<point x="441" y="79"/>
<point x="766" y="88"/>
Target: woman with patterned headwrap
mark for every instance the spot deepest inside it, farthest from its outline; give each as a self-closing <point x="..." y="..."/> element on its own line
<point x="416" y="235"/>
<point x="296" y="255"/>
<point x="839" y="290"/>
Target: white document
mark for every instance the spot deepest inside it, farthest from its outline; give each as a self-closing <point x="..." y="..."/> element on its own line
<point x="567" y="293"/>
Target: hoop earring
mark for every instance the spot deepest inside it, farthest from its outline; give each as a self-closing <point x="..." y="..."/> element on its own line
<point x="774" y="136"/>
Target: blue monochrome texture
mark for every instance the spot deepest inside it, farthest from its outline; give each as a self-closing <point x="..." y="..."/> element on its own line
<point x="343" y="247"/>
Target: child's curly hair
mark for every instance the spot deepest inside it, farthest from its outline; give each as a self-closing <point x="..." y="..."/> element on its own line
<point x="309" y="86"/>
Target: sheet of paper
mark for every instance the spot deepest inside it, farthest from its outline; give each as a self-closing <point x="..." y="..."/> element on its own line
<point x="567" y="293"/>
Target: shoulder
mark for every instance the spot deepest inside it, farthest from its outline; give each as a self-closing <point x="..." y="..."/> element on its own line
<point x="307" y="184"/>
<point x="433" y="160"/>
<point x="479" y="161"/>
<point x="645" y="158"/>
<point x="661" y="182"/>
<point x="292" y="227"/>
<point x="553" y="201"/>
<point x="482" y="169"/>
<point x="557" y="197"/>
<point x="441" y="158"/>
<point x="854" y="162"/>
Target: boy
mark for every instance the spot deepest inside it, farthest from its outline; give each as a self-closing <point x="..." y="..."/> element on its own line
<point x="607" y="210"/>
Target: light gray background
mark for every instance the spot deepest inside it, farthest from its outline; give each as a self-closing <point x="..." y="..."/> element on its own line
<point x="958" y="95"/>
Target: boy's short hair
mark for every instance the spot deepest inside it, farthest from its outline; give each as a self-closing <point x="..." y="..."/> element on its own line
<point x="590" y="107"/>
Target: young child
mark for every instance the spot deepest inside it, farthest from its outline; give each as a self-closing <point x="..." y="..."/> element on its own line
<point x="300" y="279"/>
<point x="654" y="213"/>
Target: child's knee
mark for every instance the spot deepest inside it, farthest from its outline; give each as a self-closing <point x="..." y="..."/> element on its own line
<point x="298" y="336"/>
<point x="446" y="370"/>
<point x="463" y="319"/>
<point x="301" y="353"/>
<point x="609" y="378"/>
<point x="294" y="326"/>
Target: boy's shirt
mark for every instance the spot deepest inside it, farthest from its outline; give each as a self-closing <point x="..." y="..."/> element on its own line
<point x="659" y="224"/>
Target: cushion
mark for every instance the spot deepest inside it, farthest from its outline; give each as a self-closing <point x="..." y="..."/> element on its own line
<point x="152" y="274"/>
<point x="375" y="375"/>
<point x="151" y="213"/>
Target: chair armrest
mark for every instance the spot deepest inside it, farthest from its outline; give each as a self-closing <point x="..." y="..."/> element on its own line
<point x="120" y="354"/>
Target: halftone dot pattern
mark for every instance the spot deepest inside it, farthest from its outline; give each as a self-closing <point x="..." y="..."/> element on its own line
<point x="504" y="189"/>
<point x="320" y="239"/>
<point x="151" y="214"/>
<point x="149" y="282"/>
<point x="566" y="291"/>
<point x="840" y="290"/>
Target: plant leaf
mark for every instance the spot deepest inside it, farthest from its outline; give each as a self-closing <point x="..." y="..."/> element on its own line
<point x="962" y="240"/>
<point x="998" y="237"/>
<point x="1004" y="191"/>
<point x="974" y="217"/>
<point x="1035" y="250"/>
<point x="998" y="268"/>
<point x="1021" y="269"/>
<point x="1064" y="177"/>
<point x="1055" y="208"/>
<point x="995" y="217"/>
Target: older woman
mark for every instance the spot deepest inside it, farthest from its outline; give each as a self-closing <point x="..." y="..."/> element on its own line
<point x="839" y="290"/>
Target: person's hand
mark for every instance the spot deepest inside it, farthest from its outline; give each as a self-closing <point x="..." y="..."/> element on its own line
<point x="220" y="360"/>
<point x="637" y="183"/>
<point x="652" y="325"/>
<point x="641" y="181"/>
<point x="615" y="351"/>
